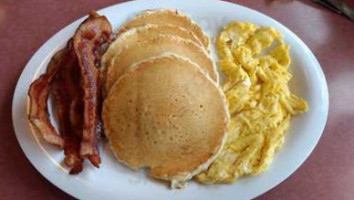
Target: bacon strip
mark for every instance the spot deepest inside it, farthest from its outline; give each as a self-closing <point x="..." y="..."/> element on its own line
<point x="73" y="78"/>
<point x="66" y="90"/>
<point x="90" y="42"/>
<point x="38" y="96"/>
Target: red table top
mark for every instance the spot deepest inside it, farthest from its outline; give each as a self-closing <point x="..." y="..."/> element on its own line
<point x="327" y="174"/>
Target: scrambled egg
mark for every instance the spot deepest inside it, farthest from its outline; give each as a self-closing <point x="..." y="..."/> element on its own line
<point x="255" y="61"/>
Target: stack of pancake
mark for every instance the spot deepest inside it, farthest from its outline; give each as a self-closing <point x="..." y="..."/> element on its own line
<point x="164" y="109"/>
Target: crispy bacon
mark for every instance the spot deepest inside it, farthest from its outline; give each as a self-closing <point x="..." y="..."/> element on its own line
<point x="90" y="42"/>
<point x="38" y="96"/>
<point x="66" y="90"/>
<point x="73" y="79"/>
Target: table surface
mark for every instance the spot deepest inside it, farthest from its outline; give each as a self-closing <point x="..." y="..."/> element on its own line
<point x="327" y="174"/>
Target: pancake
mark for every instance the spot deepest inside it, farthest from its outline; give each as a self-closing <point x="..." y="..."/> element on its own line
<point x="154" y="47"/>
<point x="164" y="16"/>
<point x="135" y="35"/>
<point x="166" y="114"/>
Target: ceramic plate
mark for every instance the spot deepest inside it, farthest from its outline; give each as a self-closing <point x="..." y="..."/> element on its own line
<point x="113" y="180"/>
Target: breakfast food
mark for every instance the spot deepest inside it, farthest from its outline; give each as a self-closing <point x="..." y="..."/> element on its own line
<point x="161" y="114"/>
<point x="164" y="16"/>
<point x="38" y="94"/>
<point x="66" y="92"/>
<point x="162" y="92"/>
<point x="138" y="34"/>
<point x="90" y="42"/>
<point x="72" y="77"/>
<point x="156" y="89"/>
<point x="255" y="60"/>
<point x="154" y="47"/>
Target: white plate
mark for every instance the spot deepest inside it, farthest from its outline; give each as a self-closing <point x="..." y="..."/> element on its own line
<point x="114" y="181"/>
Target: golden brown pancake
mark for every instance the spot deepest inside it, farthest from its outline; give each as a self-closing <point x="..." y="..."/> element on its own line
<point x="165" y="16"/>
<point x="155" y="47"/>
<point x="166" y="114"/>
<point x="138" y="34"/>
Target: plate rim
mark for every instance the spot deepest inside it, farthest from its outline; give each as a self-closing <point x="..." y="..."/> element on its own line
<point x="72" y="26"/>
